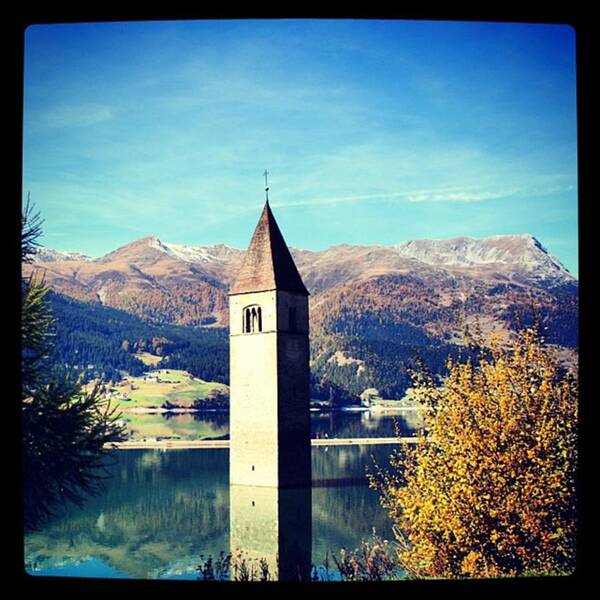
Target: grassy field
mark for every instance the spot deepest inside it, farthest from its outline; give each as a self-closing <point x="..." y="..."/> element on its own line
<point x="148" y="359"/>
<point x="155" y="388"/>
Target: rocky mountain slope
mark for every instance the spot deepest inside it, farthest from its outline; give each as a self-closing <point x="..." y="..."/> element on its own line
<point x="371" y="306"/>
<point x="188" y="285"/>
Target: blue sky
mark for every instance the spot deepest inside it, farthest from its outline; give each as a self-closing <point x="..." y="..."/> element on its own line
<point x="374" y="132"/>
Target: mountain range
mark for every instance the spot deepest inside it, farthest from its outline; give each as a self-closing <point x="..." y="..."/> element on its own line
<point x="370" y="306"/>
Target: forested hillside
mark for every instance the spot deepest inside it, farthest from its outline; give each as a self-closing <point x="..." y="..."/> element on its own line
<point x="349" y="352"/>
<point x="99" y="341"/>
<point x="375" y="312"/>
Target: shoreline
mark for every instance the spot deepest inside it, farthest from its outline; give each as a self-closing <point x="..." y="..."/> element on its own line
<point x="348" y="408"/>
<point x="153" y="411"/>
<point x="212" y="444"/>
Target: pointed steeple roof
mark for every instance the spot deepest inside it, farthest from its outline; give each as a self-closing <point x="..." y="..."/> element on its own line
<point x="268" y="264"/>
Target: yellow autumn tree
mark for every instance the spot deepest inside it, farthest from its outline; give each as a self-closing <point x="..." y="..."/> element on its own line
<point x="489" y="489"/>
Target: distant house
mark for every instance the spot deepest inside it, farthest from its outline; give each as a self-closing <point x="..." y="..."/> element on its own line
<point x="368" y="396"/>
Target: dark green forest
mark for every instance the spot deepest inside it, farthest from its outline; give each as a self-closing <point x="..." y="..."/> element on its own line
<point x="98" y="341"/>
<point x="389" y="350"/>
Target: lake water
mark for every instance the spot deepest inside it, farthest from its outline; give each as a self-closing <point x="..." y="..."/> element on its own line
<point x="162" y="511"/>
<point x="337" y="424"/>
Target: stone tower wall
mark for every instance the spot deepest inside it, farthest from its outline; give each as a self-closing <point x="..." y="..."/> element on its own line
<point x="269" y="414"/>
<point x="253" y="448"/>
<point x="293" y="391"/>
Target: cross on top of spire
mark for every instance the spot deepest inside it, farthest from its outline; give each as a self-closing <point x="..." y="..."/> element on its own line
<point x="266" y="173"/>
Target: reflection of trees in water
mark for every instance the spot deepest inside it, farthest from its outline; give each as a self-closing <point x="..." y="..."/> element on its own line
<point x="413" y="420"/>
<point x="184" y="425"/>
<point x="162" y="509"/>
<point x="363" y="424"/>
<point x="343" y="516"/>
<point x="342" y="462"/>
<point x="157" y="507"/>
<point x="218" y="419"/>
<point x="333" y="423"/>
<point x="212" y="424"/>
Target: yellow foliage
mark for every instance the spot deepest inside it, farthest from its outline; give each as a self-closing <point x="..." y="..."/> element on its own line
<point x="489" y="489"/>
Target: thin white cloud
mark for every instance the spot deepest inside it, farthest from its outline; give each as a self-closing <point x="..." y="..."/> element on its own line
<point x="453" y="194"/>
<point x="413" y="196"/>
<point x="445" y="196"/>
<point x="336" y="200"/>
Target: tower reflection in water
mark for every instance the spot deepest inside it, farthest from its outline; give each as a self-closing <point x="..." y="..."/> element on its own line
<point x="272" y="525"/>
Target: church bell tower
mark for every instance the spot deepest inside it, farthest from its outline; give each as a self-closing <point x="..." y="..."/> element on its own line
<point x="269" y="365"/>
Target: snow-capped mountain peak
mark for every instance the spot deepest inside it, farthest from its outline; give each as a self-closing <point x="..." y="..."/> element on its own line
<point x="523" y="252"/>
<point x="193" y="254"/>
<point x="515" y="256"/>
<point x="49" y="255"/>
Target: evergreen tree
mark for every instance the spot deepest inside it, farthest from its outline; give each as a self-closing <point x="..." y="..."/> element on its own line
<point x="65" y="429"/>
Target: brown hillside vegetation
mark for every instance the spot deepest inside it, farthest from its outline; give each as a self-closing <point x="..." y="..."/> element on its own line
<point x="426" y="284"/>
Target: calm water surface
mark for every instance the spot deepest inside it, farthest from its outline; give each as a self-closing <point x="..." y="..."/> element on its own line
<point x="339" y="424"/>
<point x="163" y="510"/>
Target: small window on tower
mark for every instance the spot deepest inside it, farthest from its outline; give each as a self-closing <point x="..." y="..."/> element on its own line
<point x="251" y="319"/>
<point x="292" y="319"/>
